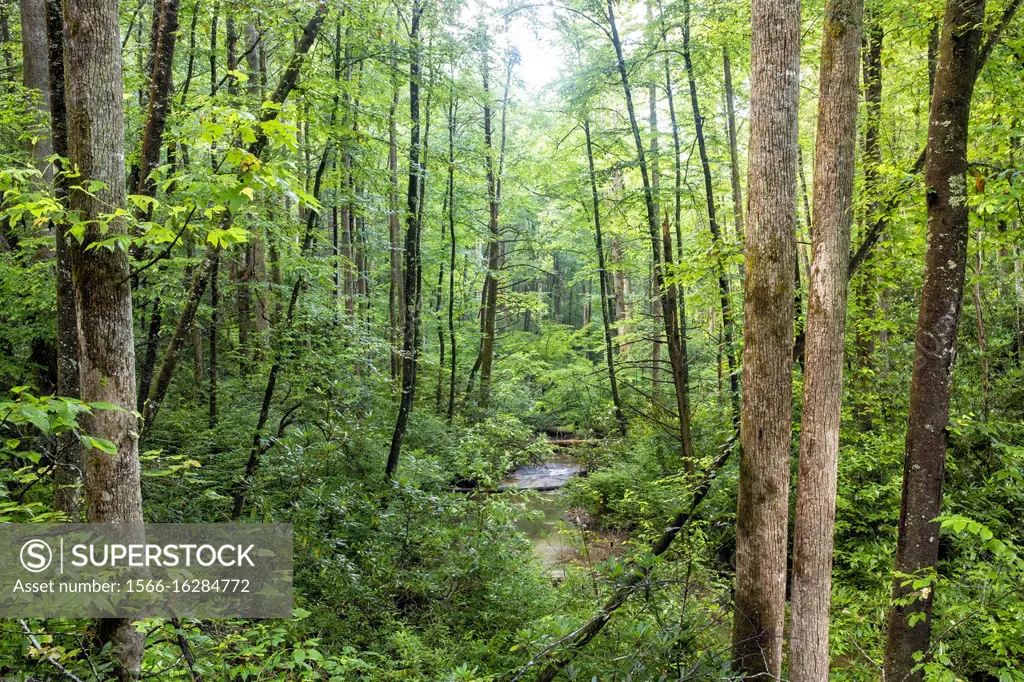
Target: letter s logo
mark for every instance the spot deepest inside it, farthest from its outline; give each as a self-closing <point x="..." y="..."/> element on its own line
<point x="36" y="556"/>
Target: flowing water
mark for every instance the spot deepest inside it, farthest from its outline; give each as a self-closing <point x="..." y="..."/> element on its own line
<point x="545" y="478"/>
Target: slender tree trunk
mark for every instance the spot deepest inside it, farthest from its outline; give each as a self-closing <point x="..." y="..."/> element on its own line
<point x="1018" y="287"/>
<point x="412" y="251"/>
<point x="909" y="621"/>
<point x="36" y="76"/>
<point x="68" y="472"/>
<point x="602" y="274"/>
<point x="980" y="320"/>
<point x="214" y="320"/>
<point x="656" y="306"/>
<point x="724" y="292"/>
<point x="865" y="340"/>
<point x="762" y="509"/>
<point x="453" y="112"/>
<point x="665" y="293"/>
<point x="395" y="296"/>
<point x="734" y="163"/>
<point x="103" y="296"/>
<point x="494" y="176"/>
<point x="166" y="31"/>
<point x="826" y="330"/>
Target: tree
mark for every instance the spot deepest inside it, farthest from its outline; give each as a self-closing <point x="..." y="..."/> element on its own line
<point x="825" y="338"/>
<point x="411" y="290"/>
<point x="762" y="509"/>
<point x="103" y="296"/>
<point x="910" y="616"/>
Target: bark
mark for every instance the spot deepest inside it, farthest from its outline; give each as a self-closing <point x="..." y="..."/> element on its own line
<point x="865" y="340"/>
<point x="982" y="346"/>
<point x="724" y="289"/>
<point x="68" y="472"/>
<point x="201" y="276"/>
<point x="494" y="177"/>
<point x="762" y="508"/>
<point x="396" y="312"/>
<point x="1018" y="288"/>
<point x="35" y="75"/>
<point x="665" y="293"/>
<point x="412" y="252"/>
<point x="935" y="339"/>
<point x="166" y="23"/>
<point x="602" y="273"/>
<point x="213" y="47"/>
<point x="103" y="297"/>
<point x="214" y="320"/>
<point x="825" y="333"/>
<point x="149" y="359"/>
<point x="656" y="307"/>
<point x="453" y="111"/>
<point x="734" y="164"/>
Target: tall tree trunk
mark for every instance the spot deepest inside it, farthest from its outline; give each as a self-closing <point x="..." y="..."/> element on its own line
<point x="67" y="474"/>
<point x="980" y="320"/>
<point x="103" y="296"/>
<point x="937" y="323"/>
<point x="214" y="330"/>
<point x="453" y="112"/>
<point x="656" y="307"/>
<point x="494" y="177"/>
<point x="734" y="163"/>
<point x="685" y="416"/>
<point x="864" y="340"/>
<point x="395" y="297"/>
<point x="666" y="294"/>
<point x="166" y="24"/>
<point x="412" y="251"/>
<point x="825" y="333"/>
<point x="602" y="274"/>
<point x="762" y="509"/>
<point x="724" y="292"/>
<point x="35" y="74"/>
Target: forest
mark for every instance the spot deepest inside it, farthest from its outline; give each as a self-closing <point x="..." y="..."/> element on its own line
<point x="575" y="339"/>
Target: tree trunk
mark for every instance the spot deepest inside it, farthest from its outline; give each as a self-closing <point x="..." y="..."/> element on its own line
<point x="864" y="340"/>
<point x="214" y="319"/>
<point x="412" y="252"/>
<point x="825" y="334"/>
<point x="762" y="509"/>
<point x="724" y="292"/>
<point x="602" y="273"/>
<point x="103" y="296"/>
<point x="734" y="163"/>
<point x="166" y="24"/>
<point x="395" y="297"/>
<point x="980" y="320"/>
<point x="937" y="323"/>
<point x="666" y="294"/>
<point x="494" y="176"/>
<point x="36" y="76"/>
<point x="453" y="111"/>
<point x="68" y="471"/>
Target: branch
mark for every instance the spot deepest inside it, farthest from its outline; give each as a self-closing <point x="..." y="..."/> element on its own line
<point x="49" y="659"/>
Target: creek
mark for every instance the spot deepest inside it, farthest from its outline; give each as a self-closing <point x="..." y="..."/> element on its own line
<point x="545" y="479"/>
